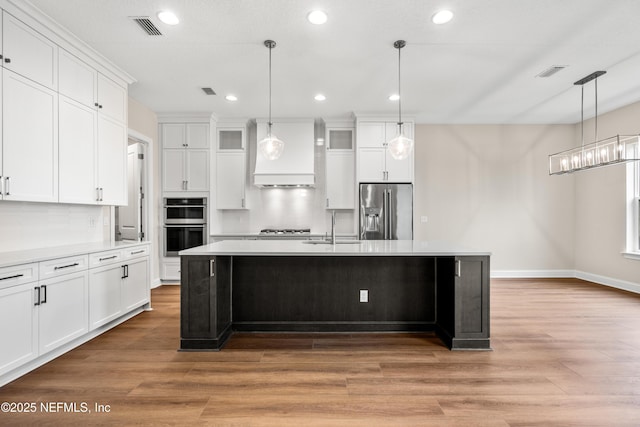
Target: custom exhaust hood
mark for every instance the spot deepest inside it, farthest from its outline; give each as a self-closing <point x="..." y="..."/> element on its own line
<point x="294" y="168"/>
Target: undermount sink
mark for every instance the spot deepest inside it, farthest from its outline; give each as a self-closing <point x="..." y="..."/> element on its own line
<point x="327" y="242"/>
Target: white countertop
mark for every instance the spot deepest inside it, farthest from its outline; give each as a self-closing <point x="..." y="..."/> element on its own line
<point x="362" y="248"/>
<point x="43" y="254"/>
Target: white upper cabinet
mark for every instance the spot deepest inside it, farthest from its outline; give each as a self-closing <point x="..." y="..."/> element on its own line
<point x="230" y="180"/>
<point x="340" y="180"/>
<point x="30" y="140"/>
<point x="76" y="79"/>
<point x="112" y="162"/>
<point x="77" y="152"/>
<point x="231" y="138"/>
<point x="112" y="99"/>
<point x="375" y="163"/>
<point x="185" y="157"/>
<point x="28" y="53"/>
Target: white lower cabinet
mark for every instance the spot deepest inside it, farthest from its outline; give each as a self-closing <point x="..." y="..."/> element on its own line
<point x="119" y="286"/>
<point x="135" y="286"/>
<point x="105" y="297"/>
<point x="63" y="310"/>
<point x="19" y="326"/>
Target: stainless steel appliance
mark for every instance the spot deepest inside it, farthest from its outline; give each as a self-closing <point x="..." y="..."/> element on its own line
<point x="185" y="224"/>
<point x="386" y="212"/>
<point x="185" y="210"/>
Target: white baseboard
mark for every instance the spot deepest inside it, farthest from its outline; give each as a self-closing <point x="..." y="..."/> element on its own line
<point x="609" y="281"/>
<point x="526" y="274"/>
<point x="571" y="274"/>
<point x="156" y="283"/>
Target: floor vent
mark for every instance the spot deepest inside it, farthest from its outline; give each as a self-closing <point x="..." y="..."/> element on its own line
<point x="208" y="91"/>
<point x="146" y="24"/>
<point x="551" y="71"/>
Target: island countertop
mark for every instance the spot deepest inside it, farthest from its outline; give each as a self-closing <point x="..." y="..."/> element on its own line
<point x="342" y="248"/>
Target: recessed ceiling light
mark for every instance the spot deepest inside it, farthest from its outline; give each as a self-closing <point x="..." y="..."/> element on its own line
<point x="231" y="98"/>
<point x="394" y="97"/>
<point x="319" y="97"/>
<point x="317" y="17"/>
<point x="168" y="17"/>
<point x="442" y="17"/>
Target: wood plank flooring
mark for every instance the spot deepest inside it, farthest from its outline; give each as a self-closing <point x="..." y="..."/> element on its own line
<point x="565" y="352"/>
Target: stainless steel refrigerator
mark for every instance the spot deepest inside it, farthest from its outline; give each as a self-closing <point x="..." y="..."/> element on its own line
<point x="386" y="212"/>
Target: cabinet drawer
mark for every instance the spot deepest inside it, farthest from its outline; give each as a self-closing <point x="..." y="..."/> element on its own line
<point x="104" y="258"/>
<point x="60" y="266"/>
<point x="136" y="251"/>
<point x="18" y="274"/>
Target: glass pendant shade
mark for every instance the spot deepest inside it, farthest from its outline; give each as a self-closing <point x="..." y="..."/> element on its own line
<point x="270" y="146"/>
<point x="401" y="146"/>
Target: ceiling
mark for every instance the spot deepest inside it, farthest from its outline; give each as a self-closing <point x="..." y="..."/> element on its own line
<point x="479" y="68"/>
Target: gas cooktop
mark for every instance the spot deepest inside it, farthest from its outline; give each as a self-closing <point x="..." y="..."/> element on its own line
<point x="285" y="232"/>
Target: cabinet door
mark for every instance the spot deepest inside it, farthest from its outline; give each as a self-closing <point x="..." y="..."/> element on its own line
<point x="197" y="170"/>
<point x="371" y="164"/>
<point x="197" y="135"/>
<point x="105" y="295"/>
<point x="230" y="139"/>
<point x="371" y="134"/>
<point x="135" y="287"/>
<point x="76" y="79"/>
<point x="112" y="99"/>
<point x="173" y="135"/>
<point x="339" y="139"/>
<point x="64" y="310"/>
<point x="18" y="326"/>
<point x="28" y="53"/>
<point x="173" y="173"/>
<point x="77" y="152"/>
<point x="230" y="181"/>
<point x="340" y="180"/>
<point x="399" y="170"/>
<point x="112" y="161"/>
<point x="30" y="140"/>
<point x="472" y="297"/>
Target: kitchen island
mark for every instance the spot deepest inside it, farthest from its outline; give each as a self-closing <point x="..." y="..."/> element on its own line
<point x="349" y="286"/>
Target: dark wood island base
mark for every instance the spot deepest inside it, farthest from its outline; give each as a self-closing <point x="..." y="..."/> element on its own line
<point x="448" y="295"/>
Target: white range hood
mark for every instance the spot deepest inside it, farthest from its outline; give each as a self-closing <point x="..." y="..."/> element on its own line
<point x="294" y="168"/>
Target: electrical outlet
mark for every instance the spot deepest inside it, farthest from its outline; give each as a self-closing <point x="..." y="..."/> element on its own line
<point x="423" y="219"/>
<point x="364" y="295"/>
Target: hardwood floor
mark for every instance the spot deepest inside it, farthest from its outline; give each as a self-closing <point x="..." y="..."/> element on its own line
<point x="565" y="352"/>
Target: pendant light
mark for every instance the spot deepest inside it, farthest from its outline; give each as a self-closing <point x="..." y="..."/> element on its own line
<point x="401" y="146"/>
<point x="270" y="146"/>
<point x="605" y="152"/>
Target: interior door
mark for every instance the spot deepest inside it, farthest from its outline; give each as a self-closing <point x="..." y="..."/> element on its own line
<point x="130" y="216"/>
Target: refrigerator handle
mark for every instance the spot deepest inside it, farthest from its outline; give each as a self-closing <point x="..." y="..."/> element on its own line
<point x="390" y="219"/>
<point x="385" y="209"/>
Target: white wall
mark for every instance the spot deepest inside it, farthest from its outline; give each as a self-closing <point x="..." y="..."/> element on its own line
<point x="601" y="205"/>
<point x="487" y="187"/>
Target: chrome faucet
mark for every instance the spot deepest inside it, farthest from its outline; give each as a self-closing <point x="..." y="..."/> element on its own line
<point x="333" y="227"/>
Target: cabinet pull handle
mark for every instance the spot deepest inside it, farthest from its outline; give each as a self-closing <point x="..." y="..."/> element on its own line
<point x="243" y="202"/>
<point x="106" y="258"/>
<point x="44" y="300"/>
<point x="137" y="252"/>
<point x="37" y="288"/>
<point x="126" y="271"/>
<point x="57" y="267"/>
<point x="6" y="186"/>
<point x="212" y="268"/>
<point x="100" y="106"/>
<point x="97" y="194"/>
<point x="11" y="277"/>
<point x="327" y="202"/>
<point x="458" y="268"/>
<point x="101" y="193"/>
<point x="96" y="104"/>
<point x="7" y="60"/>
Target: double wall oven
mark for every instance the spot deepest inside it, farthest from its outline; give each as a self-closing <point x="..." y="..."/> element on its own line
<point x="185" y="224"/>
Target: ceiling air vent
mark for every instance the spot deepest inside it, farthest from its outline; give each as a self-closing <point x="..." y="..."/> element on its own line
<point x="146" y="24"/>
<point x="208" y="91"/>
<point x="551" y="70"/>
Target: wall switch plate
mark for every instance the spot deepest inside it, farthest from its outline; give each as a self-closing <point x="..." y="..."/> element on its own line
<point x="423" y="219"/>
<point x="364" y="295"/>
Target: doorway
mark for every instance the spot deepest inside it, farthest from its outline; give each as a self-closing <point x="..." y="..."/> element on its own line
<point x="131" y="221"/>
